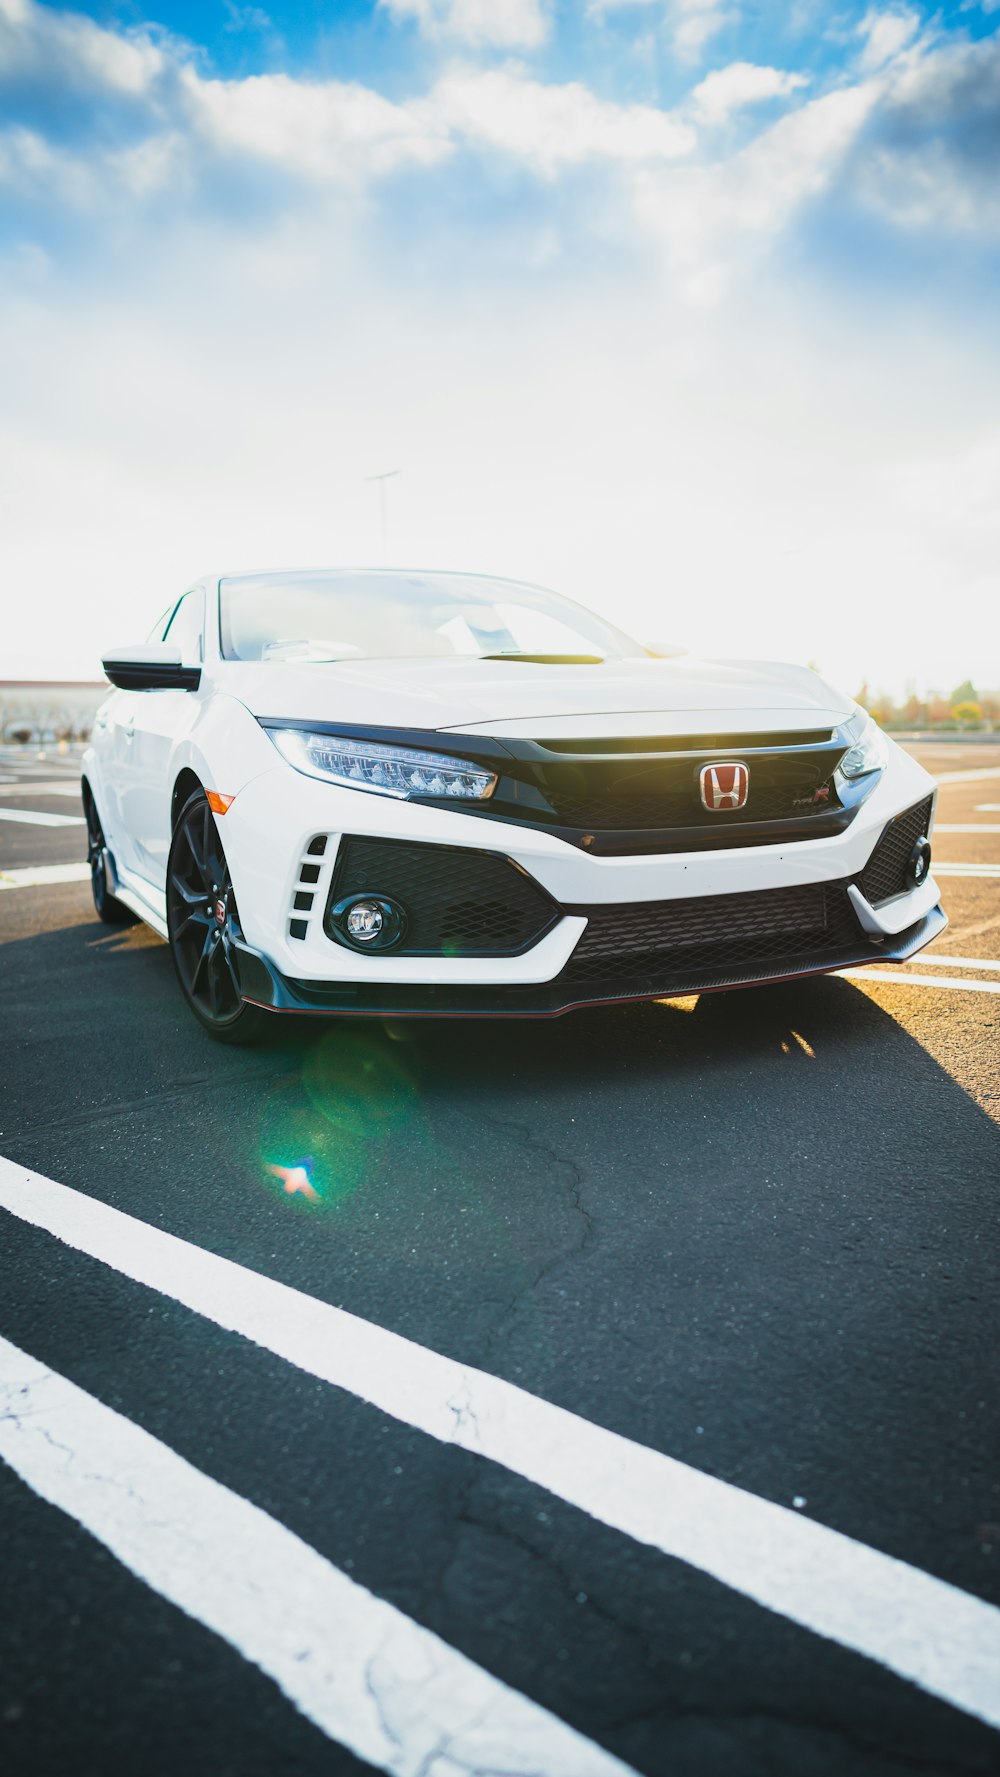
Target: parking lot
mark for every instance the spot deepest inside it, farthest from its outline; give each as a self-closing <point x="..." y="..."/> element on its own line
<point x="615" y="1391"/>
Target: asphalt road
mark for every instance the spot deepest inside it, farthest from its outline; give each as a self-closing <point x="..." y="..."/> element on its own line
<point x="755" y="1232"/>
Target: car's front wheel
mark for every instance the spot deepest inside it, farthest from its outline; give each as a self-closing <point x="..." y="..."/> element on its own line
<point x="106" y="906"/>
<point x="202" y="924"/>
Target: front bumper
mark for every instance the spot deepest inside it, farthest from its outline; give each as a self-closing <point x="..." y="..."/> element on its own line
<point x="264" y="986"/>
<point x="283" y="836"/>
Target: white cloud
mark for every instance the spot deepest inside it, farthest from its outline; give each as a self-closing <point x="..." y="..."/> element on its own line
<point x="325" y="131"/>
<point x="552" y="127"/>
<point x="64" y="48"/>
<point x="494" y="24"/>
<point x="742" y="83"/>
<point x="886" y="35"/>
<point x="696" y="22"/>
<point x="707" y="218"/>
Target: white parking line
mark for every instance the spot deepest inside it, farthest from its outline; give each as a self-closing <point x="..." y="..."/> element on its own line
<point x="898" y="978"/>
<point x="967" y="827"/>
<point x="926" y="1631"/>
<point x="28" y="787"/>
<point x="954" y="962"/>
<point x="31" y="818"/>
<point x="367" y="1675"/>
<point x="988" y="807"/>
<point x="981" y="870"/>
<point x="967" y="777"/>
<point x="40" y="875"/>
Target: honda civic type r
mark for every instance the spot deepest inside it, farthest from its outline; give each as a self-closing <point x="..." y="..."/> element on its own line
<point x="410" y="793"/>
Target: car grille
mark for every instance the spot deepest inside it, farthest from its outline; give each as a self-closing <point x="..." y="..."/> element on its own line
<point x="623" y="799"/>
<point x="712" y="933"/>
<point x="884" y="875"/>
<point x="458" y="902"/>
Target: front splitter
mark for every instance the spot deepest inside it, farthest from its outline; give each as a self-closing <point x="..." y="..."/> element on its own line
<point x="263" y="985"/>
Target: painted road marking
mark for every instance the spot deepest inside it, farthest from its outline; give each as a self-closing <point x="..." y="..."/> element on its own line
<point x="983" y="870"/>
<point x="42" y="874"/>
<point x="920" y="1628"/>
<point x="903" y="980"/>
<point x="28" y="787"/>
<point x="31" y="818"/>
<point x="966" y="827"/>
<point x="967" y="777"/>
<point x="955" y="962"/>
<point x="365" y="1673"/>
<point x="988" y="807"/>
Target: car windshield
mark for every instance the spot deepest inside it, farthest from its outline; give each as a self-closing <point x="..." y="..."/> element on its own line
<point x="366" y="615"/>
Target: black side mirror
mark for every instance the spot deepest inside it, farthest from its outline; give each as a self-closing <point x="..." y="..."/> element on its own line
<point x="152" y="666"/>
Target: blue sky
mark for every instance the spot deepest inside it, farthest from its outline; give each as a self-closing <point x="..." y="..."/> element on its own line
<point x="689" y="307"/>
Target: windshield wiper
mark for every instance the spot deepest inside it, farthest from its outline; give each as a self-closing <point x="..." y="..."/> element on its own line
<point x="549" y="659"/>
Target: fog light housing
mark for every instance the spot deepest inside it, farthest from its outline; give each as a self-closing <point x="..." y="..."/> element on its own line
<point x="367" y="922"/>
<point x="918" y="867"/>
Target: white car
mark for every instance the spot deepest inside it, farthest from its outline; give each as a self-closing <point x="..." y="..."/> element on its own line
<point x="367" y="792"/>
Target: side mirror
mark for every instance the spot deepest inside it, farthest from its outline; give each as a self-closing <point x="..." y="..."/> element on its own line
<point x="151" y="666"/>
<point x="664" y="650"/>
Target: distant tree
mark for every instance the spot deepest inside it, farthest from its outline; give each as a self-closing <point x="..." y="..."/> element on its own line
<point x="965" y="693"/>
<point x="938" y="711"/>
<point x="968" y="713"/>
<point x="862" y="696"/>
<point x="914" y="712"/>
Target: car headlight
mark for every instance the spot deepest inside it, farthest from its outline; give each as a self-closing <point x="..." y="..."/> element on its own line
<point x="869" y="752"/>
<point x="387" y="771"/>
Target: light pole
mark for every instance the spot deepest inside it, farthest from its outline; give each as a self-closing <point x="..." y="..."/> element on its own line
<point x="386" y="475"/>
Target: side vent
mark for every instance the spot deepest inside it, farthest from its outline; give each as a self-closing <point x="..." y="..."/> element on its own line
<point x="306" y="895"/>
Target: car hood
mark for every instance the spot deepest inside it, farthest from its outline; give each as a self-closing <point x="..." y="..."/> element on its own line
<point x="535" y="701"/>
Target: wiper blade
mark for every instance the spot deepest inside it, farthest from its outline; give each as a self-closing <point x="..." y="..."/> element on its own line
<point x="549" y="659"/>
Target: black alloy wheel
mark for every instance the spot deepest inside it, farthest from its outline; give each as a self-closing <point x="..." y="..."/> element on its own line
<point x="106" y="906"/>
<point x="202" y="924"/>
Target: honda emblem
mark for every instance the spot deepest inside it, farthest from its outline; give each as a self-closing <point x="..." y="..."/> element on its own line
<point x="724" y="785"/>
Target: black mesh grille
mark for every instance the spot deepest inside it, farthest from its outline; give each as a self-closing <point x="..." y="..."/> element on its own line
<point x="884" y="875"/>
<point x="457" y="902"/>
<point x="717" y="934"/>
<point x="627" y="794"/>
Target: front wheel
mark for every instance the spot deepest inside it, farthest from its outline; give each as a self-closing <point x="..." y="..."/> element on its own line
<point x="202" y="925"/>
<point x="106" y="906"/>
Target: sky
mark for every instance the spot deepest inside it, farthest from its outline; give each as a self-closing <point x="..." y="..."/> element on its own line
<point x="687" y="308"/>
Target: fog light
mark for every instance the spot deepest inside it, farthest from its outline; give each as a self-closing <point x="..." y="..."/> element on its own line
<point x="919" y="867"/>
<point x="367" y="922"/>
<point x="364" y="922"/>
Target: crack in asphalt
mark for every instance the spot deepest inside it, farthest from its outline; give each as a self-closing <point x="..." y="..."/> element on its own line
<point x="577" y="1181"/>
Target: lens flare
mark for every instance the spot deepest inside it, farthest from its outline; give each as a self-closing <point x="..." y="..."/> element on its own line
<point x="296" y="1180"/>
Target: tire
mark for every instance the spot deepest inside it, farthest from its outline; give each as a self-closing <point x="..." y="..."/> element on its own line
<point x="112" y="911"/>
<point x="202" y="921"/>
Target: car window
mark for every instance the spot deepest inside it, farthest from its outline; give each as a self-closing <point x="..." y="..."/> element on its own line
<point x="184" y="629"/>
<point x="364" y="614"/>
<point x="158" y="630"/>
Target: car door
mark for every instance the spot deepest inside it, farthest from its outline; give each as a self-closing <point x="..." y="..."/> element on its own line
<point x="162" y="718"/>
<point x="112" y="738"/>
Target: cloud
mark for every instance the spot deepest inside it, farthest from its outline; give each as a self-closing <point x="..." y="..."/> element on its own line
<point x="493" y="24"/>
<point x="552" y="127"/>
<point x="696" y="22"/>
<point x="885" y="35"/>
<point x="706" y="218"/>
<point x="38" y="45"/>
<point x="742" y="83"/>
<point x="929" y="157"/>
<point x="328" y="132"/>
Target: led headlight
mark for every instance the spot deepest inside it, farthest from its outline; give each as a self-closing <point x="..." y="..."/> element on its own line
<point x="388" y="771"/>
<point x="869" y="752"/>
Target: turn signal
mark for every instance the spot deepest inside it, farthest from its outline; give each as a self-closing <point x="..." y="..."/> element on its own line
<point x="218" y="803"/>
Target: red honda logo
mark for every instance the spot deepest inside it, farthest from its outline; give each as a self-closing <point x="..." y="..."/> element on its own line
<point x="724" y="786"/>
